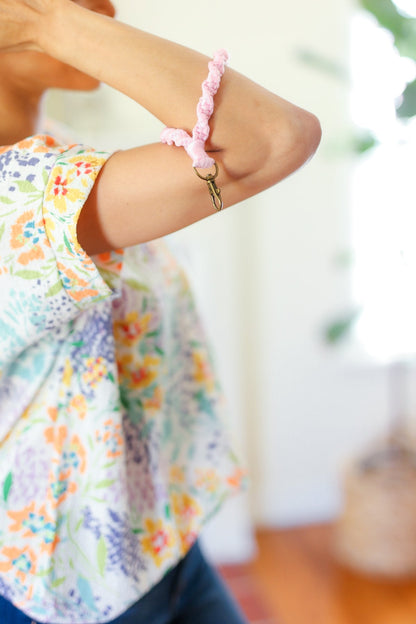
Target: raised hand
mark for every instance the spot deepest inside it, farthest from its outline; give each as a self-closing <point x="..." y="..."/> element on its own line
<point x="20" y="21"/>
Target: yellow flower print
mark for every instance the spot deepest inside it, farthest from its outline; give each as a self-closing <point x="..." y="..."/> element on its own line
<point x="67" y="374"/>
<point x="185" y="509"/>
<point x="129" y="330"/>
<point x="50" y="228"/>
<point x="202" y="370"/>
<point x="96" y="371"/>
<point x="86" y="164"/>
<point x="176" y="474"/>
<point x="60" y="191"/>
<point x="187" y="538"/>
<point x="140" y="374"/>
<point x="158" y="541"/>
<point x="208" y="480"/>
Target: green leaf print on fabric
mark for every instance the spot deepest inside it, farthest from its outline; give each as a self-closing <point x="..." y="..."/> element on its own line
<point x="54" y="290"/>
<point x="7" y="485"/>
<point x="26" y="187"/>
<point x="101" y="555"/>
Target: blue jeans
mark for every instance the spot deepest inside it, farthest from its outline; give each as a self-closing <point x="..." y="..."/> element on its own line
<point x="191" y="593"/>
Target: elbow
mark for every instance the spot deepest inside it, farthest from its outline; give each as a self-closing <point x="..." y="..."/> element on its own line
<point x="287" y="142"/>
<point x="311" y="132"/>
<point x="283" y="141"/>
<point x="294" y="143"/>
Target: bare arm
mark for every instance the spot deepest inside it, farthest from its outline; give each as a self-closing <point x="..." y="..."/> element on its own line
<point x="151" y="190"/>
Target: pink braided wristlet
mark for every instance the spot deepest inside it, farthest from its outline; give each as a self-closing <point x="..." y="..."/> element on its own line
<point x="195" y="144"/>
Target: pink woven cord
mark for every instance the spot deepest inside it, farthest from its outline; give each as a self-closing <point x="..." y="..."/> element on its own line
<point x="195" y="144"/>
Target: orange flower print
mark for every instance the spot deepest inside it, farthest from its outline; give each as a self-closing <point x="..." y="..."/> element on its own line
<point x="72" y="281"/>
<point x="60" y="487"/>
<point x="237" y="478"/>
<point x="78" y="406"/>
<point x="53" y="413"/>
<point x="111" y="437"/>
<point x="56" y="436"/>
<point x="23" y="560"/>
<point x="35" y="522"/>
<point x="111" y="261"/>
<point x="159" y="541"/>
<point x="60" y="190"/>
<point x="129" y="330"/>
<point x="76" y="455"/>
<point x="28" y="234"/>
<point x="3" y="268"/>
<point x="40" y="144"/>
<point x="70" y="457"/>
<point x="202" y="370"/>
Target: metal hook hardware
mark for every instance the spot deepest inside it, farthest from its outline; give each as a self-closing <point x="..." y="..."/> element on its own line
<point x="213" y="189"/>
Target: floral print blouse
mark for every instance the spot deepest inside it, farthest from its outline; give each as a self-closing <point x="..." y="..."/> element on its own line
<point x="112" y="449"/>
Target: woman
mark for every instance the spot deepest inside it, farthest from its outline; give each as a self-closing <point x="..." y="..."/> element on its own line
<point x="112" y="451"/>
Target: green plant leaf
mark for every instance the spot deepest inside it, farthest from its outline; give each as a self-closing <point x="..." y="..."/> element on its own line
<point x="323" y="63"/>
<point x="402" y="27"/>
<point x="407" y="107"/>
<point x="340" y="329"/>
<point x="363" y="141"/>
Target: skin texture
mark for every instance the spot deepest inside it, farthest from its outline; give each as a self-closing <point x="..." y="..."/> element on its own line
<point x="151" y="190"/>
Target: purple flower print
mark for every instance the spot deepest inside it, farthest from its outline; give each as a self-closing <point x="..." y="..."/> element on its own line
<point x="29" y="476"/>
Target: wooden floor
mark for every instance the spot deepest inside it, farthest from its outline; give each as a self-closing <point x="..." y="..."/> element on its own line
<point x="295" y="580"/>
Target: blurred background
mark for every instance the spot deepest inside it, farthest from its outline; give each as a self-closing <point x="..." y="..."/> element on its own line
<point x="307" y="290"/>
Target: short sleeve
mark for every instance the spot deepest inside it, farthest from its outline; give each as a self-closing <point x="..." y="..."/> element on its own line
<point x="69" y="184"/>
<point x="46" y="278"/>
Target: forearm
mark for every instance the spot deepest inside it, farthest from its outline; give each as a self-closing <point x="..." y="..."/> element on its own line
<point x="160" y="75"/>
<point x="166" y="78"/>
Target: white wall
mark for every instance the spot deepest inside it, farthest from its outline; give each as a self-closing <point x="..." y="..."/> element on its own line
<point x="265" y="272"/>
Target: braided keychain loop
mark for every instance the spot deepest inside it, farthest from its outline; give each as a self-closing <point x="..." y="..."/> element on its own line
<point x="195" y="144"/>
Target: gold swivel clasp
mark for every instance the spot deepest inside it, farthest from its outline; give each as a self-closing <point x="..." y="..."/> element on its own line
<point x="213" y="189"/>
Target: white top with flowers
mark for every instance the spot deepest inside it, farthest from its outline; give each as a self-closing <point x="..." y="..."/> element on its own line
<point x="112" y="449"/>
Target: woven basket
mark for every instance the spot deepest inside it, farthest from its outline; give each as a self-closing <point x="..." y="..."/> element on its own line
<point x="376" y="532"/>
